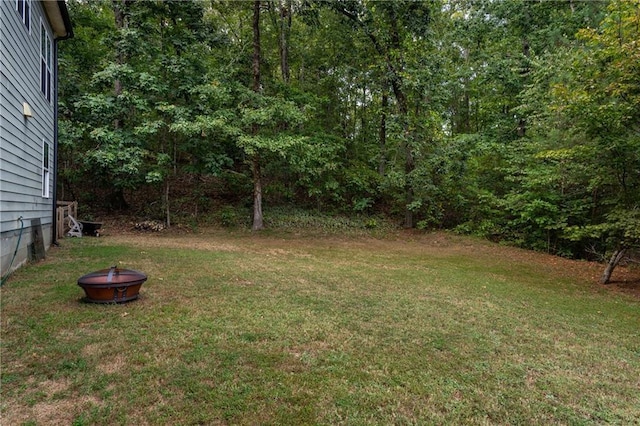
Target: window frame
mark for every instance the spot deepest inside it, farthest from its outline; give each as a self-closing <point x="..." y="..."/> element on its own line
<point x="23" y="7"/>
<point x="46" y="169"/>
<point x="46" y="62"/>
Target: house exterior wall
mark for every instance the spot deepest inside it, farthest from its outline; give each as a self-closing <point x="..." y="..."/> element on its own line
<point x="21" y="138"/>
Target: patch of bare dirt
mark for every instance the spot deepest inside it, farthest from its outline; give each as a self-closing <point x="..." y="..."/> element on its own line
<point x="51" y="412"/>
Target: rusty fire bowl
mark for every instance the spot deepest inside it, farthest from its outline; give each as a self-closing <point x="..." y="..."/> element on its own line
<point x="113" y="285"/>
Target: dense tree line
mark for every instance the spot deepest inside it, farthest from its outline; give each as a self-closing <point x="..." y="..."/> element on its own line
<point x="517" y="120"/>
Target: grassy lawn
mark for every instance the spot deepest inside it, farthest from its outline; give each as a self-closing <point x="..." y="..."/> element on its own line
<point x="237" y="328"/>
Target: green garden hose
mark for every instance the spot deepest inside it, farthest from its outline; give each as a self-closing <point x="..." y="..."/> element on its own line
<point x="15" y="252"/>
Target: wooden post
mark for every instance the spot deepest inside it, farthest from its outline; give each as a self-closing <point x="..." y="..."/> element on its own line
<point x="63" y="211"/>
<point x="59" y="222"/>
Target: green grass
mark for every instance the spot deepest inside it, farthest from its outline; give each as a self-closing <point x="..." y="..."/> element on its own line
<point x="237" y="328"/>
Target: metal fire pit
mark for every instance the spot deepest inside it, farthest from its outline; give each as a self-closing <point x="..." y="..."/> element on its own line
<point x="112" y="285"/>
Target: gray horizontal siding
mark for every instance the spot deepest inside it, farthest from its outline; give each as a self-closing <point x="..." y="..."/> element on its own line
<point x="21" y="138"/>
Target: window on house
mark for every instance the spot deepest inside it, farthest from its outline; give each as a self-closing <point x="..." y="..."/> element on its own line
<point x="46" y="158"/>
<point x="46" y="63"/>
<point x="24" y="9"/>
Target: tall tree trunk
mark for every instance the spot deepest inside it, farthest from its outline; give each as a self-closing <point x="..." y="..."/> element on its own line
<point x="256" y="46"/>
<point x="255" y="160"/>
<point x="409" y="163"/>
<point x="166" y="205"/>
<point x="395" y="67"/>
<point x="524" y="72"/>
<point x="409" y="167"/>
<point x="382" y="134"/>
<point x="403" y="108"/>
<point x="258" y="222"/>
<point x="466" y="107"/>
<point x="285" y="31"/>
<point x="616" y="257"/>
<point x="120" y="17"/>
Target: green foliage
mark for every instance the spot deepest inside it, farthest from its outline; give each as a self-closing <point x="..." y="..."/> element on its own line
<point x="514" y="120"/>
<point x="290" y="218"/>
<point x="585" y="103"/>
<point x="229" y="217"/>
<point x="621" y="229"/>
